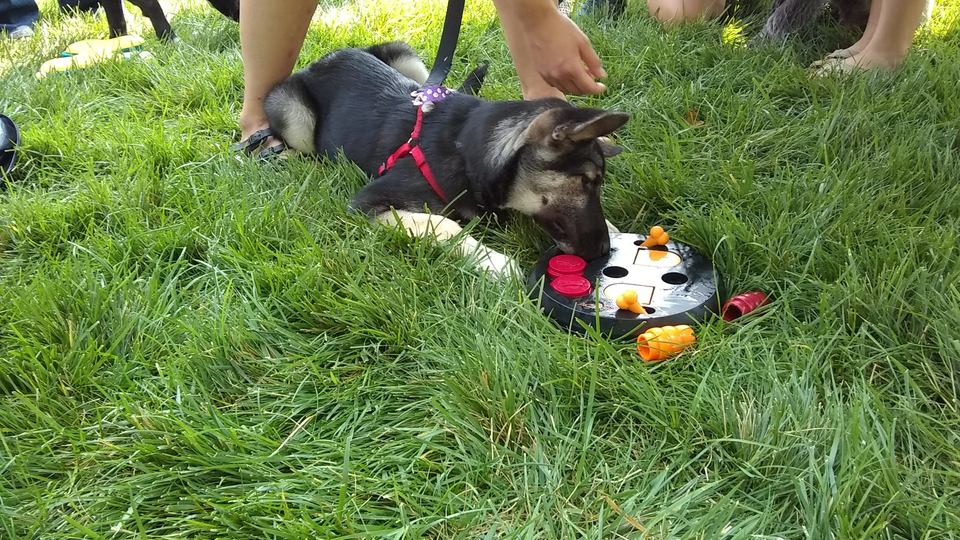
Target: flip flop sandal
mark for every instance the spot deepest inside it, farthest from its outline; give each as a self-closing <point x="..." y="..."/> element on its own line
<point x="105" y="47"/>
<point x="9" y="140"/>
<point x="841" y="53"/>
<point x="255" y="142"/>
<point x="834" y="66"/>
<point x="837" y="54"/>
<point x="65" y="64"/>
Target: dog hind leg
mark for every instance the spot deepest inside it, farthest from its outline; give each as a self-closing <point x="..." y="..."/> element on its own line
<point x="443" y="229"/>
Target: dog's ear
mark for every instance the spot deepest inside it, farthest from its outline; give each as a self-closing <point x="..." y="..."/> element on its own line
<point x="574" y="124"/>
<point x="609" y="150"/>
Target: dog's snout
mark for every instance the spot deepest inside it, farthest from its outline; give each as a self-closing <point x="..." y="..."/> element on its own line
<point x="579" y="230"/>
<point x="605" y="244"/>
<point x="594" y="247"/>
<point x="586" y="244"/>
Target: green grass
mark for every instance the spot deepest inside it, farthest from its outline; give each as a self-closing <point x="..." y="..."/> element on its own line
<point x="198" y="346"/>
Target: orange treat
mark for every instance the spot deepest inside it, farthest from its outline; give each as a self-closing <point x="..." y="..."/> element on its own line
<point x="655" y="254"/>
<point x="665" y="341"/>
<point x="628" y="300"/>
<point x="658" y="237"/>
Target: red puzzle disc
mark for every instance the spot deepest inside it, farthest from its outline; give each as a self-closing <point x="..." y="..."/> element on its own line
<point x="571" y="286"/>
<point x="566" y="265"/>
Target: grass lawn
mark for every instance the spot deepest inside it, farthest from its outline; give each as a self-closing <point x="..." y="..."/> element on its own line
<point x="194" y="345"/>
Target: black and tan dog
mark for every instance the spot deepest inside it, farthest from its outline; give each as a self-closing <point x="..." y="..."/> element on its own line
<point x="468" y="156"/>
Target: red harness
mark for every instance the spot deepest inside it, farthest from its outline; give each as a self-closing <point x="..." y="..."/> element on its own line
<point x="412" y="148"/>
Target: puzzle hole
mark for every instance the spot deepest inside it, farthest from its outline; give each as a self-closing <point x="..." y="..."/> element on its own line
<point x="674" y="278"/>
<point x="615" y="272"/>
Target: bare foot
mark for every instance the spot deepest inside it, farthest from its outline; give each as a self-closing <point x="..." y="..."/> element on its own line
<point x="862" y="61"/>
<point x="250" y="126"/>
<point x="870" y="58"/>
<point x="852" y="50"/>
<point x="831" y="66"/>
<point x="839" y="53"/>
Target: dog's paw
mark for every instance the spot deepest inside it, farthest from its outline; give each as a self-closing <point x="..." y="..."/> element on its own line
<point x="497" y="265"/>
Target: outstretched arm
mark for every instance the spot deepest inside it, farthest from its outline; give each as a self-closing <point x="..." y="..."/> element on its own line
<point x="552" y="55"/>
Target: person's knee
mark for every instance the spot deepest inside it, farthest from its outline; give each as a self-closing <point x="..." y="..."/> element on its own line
<point x="678" y="11"/>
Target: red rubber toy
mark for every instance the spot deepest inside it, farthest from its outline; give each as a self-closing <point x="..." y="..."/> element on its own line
<point x="743" y="304"/>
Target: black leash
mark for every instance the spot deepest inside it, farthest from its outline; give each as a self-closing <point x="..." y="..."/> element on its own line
<point x="448" y="43"/>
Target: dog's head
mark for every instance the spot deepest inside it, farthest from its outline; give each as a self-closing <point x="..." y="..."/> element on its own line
<point x="558" y="165"/>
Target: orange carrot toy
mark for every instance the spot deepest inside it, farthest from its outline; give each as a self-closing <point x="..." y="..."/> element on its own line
<point x="664" y="341"/>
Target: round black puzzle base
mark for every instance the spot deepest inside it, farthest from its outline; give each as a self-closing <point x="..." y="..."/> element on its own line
<point x="674" y="283"/>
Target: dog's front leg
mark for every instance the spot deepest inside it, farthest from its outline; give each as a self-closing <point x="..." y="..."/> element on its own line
<point x="154" y="11"/>
<point x="444" y="229"/>
<point x="115" y="18"/>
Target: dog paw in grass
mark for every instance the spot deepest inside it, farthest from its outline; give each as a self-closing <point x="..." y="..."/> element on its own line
<point x="496" y="265"/>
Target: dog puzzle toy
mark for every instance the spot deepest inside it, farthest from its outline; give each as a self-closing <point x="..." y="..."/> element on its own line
<point x="665" y="341"/>
<point x="628" y="300"/>
<point x="673" y="283"/>
<point x="742" y="304"/>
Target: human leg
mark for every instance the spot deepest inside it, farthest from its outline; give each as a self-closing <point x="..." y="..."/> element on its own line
<point x="875" y="7"/>
<point x="890" y="41"/>
<point x="271" y="35"/>
<point x="678" y="11"/>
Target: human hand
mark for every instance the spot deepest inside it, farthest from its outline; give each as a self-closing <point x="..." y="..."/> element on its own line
<point x="563" y="55"/>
